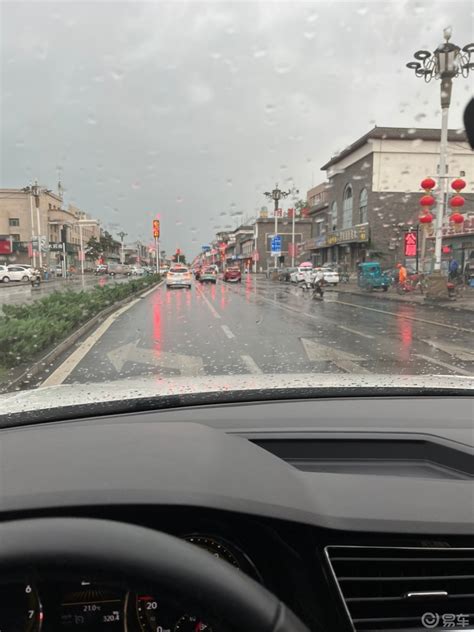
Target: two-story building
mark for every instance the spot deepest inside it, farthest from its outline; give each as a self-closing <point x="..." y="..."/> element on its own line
<point x="373" y="192"/>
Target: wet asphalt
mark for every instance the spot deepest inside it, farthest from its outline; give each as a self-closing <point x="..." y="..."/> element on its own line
<point x="260" y="326"/>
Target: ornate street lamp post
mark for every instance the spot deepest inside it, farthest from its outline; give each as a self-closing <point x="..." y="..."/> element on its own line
<point x="276" y="195"/>
<point x="445" y="63"/>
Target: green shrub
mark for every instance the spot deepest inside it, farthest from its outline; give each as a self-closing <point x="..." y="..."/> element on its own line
<point x="26" y="330"/>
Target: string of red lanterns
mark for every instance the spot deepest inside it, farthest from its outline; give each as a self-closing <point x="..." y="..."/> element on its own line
<point x="456" y="202"/>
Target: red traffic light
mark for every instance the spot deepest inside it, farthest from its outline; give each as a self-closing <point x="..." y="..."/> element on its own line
<point x="156" y="228"/>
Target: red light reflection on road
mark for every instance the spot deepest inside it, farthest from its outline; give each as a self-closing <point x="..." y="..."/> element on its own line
<point x="157" y="324"/>
<point x="213" y="292"/>
<point x="405" y="331"/>
<point x="224" y="296"/>
<point x="249" y="286"/>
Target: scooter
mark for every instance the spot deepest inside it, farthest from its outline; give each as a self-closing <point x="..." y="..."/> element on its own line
<point x="36" y="281"/>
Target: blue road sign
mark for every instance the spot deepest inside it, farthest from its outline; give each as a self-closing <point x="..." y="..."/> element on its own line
<point x="276" y="244"/>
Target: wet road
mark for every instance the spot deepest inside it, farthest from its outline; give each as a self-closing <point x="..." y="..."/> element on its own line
<point x="262" y="327"/>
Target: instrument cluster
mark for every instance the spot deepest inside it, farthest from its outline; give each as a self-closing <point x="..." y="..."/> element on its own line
<point x="93" y="606"/>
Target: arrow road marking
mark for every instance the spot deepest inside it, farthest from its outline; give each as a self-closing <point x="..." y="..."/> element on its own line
<point x="347" y="362"/>
<point x="251" y="365"/>
<point x="67" y="367"/>
<point x="457" y="352"/>
<point x="186" y="364"/>
<point x="227" y="331"/>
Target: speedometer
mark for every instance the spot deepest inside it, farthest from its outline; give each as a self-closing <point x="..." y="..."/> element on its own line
<point x="20" y="609"/>
<point x="153" y="616"/>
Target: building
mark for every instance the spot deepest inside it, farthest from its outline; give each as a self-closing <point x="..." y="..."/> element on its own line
<point x="34" y="227"/>
<point x="264" y="229"/>
<point x="371" y="197"/>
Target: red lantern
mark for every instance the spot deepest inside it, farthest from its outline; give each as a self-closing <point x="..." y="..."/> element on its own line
<point x="427" y="218"/>
<point x="427" y="184"/>
<point x="427" y="200"/>
<point x="456" y="201"/>
<point x="458" y="184"/>
<point x="456" y="218"/>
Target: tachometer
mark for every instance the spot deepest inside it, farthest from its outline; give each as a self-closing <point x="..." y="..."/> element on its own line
<point x="215" y="547"/>
<point x="153" y="616"/>
<point x="20" y="609"/>
<point x="189" y="623"/>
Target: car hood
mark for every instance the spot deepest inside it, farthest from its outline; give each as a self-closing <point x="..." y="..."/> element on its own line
<point x="159" y="392"/>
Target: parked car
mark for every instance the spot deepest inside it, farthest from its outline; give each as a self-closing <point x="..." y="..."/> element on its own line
<point x="299" y="274"/>
<point x="285" y="274"/>
<point x="118" y="268"/>
<point x="330" y="274"/>
<point x="137" y="270"/>
<point x="233" y="275"/>
<point x="208" y="275"/>
<point x="178" y="276"/>
<point x="16" y="273"/>
<point x="102" y="268"/>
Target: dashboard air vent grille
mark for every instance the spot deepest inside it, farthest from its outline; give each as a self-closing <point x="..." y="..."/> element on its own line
<point x="392" y="588"/>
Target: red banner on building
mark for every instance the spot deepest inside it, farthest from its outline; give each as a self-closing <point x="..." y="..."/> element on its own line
<point x="6" y="245"/>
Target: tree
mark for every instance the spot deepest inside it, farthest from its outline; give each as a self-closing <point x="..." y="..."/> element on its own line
<point x="94" y="248"/>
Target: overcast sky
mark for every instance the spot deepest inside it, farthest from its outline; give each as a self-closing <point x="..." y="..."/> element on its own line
<point x="192" y="110"/>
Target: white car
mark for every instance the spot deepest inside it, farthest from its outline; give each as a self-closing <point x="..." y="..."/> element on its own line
<point x="178" y="276"/>
<point x="16" y="273"/>
<point x="137" y="270"/>
<point x="299" y="274"/>
<point x="331" y="276"/>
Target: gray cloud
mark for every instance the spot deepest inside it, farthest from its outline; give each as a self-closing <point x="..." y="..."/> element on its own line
<point x="191" y="110"/>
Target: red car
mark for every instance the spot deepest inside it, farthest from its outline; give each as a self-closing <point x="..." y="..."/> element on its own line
<point x="233" y="275"/>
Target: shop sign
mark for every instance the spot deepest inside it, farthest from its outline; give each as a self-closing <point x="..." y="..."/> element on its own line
<point x="411" y="244"/>
<point x="355" y="234"/>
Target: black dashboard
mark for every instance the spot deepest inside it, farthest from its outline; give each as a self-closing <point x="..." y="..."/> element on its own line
<point x="349" y="513"/>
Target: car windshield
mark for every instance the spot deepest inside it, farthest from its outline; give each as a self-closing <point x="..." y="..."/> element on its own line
<point x="289" y="144"/>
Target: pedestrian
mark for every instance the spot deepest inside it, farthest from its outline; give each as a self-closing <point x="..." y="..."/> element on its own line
<point x="402" y="274"/>
<point x="453" y="269"/>
<point x="318" y="281"/>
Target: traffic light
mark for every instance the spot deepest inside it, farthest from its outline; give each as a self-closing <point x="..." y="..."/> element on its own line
<point x="156" y="228"/>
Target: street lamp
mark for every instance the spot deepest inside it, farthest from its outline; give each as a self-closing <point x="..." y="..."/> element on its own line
<point x="121" y="234"/>
<point x="445" y="63"/>
<point x="276" y="195"/>
<point x="295" y="193"/>
<point x="81" y="223"/>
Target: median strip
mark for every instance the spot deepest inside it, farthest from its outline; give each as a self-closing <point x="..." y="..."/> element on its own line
<point x="27" y="330"/>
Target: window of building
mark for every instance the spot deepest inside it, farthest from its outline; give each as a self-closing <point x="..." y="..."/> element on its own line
<point x="333" y="219"/>
<point x="347" y="207"/>
<point x="363" y="206"/>
<point x="14" y="221"/>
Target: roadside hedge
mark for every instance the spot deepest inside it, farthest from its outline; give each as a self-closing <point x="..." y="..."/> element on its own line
<point x="26" y="330"/>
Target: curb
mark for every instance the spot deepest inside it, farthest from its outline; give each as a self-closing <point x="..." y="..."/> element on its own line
<point x="26" y="374"/>
<point x="398" y="299"/>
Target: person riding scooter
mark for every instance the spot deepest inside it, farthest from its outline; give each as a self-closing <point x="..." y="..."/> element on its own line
<point x="317" y="283"/>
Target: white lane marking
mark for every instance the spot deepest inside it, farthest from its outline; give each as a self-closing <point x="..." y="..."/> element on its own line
<point x="445" y="365"/>
<point x="208" y="302"/>
<point x="251" y="365"/>
<point x="357" y="333"/>
<point x="457" y="352"/>
<point x="405" y="316"/>
<point x="227" y="331"/>
<point x="65" y="369"/>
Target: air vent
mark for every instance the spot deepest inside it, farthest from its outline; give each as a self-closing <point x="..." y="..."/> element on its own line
<point x="391" y="588"/>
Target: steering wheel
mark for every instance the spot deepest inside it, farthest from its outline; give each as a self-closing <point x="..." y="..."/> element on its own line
<point x="70" y="546"/>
